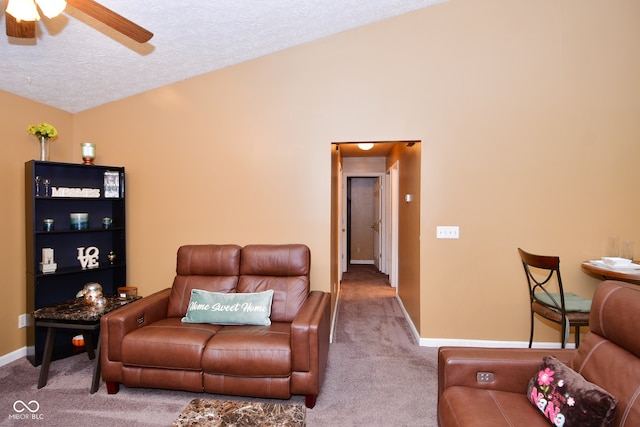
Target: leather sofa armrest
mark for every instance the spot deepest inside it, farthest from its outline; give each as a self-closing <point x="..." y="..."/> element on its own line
<point x="310" y="333"/>
<point x="512" y="368"/>
<point x="118" y="323"/>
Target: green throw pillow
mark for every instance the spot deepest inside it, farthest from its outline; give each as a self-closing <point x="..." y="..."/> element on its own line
<point x="220" y="308"/>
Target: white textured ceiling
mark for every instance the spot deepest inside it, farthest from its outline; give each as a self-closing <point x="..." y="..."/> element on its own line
<point x="76" y="63"/>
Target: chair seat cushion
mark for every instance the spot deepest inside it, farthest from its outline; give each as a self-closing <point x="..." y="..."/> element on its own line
<point x="572" y="302"/>
<point x="257" y="351"/>
<point x="574" y="317"/>
<point x="167" y="343"/>
<point x="473" y="407"/>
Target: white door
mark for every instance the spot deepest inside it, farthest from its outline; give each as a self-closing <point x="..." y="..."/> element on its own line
<point x="345" y="230"/>
<point x="394" y="196"/>
<point x="377" y="223"/>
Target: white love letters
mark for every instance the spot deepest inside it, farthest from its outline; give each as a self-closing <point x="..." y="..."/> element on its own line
<point x="88" y="258"/>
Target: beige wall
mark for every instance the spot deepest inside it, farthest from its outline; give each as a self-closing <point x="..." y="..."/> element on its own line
<point x="409" y="163"/>
<point x="531" y="140"/>
<point x="528" y="117"/>
<point x="19" y="147"/>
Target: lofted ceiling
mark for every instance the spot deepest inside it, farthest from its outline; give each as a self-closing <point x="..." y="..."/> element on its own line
<point x="76" y="63"/>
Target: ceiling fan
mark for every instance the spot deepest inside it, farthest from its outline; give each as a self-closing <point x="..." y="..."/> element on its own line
<point x="26" y="28"/>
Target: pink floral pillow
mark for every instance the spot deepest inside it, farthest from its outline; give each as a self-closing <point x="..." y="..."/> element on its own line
<point x="566" y="399"/>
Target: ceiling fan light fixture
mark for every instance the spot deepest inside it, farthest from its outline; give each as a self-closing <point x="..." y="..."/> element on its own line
<point x="51" y="8"/>
<point x="22" y="14"/>
<point x="365" y="146"/>
<point x="23" y="10"/>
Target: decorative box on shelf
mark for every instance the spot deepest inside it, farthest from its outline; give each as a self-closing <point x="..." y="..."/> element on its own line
<point x="88" y="193"/>
<point x="48" y="268"/>
<point x="48" y="265"/>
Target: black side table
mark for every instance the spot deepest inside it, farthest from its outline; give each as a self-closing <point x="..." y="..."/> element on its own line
<point x="75" y="314"/>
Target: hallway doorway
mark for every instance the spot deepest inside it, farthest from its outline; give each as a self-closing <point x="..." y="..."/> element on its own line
<point x="371" y="182"/>
<point x="364" y="221"/>
<point x="397" y="164"/>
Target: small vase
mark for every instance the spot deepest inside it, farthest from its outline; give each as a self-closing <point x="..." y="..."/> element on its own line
<point x="44" y="148"/>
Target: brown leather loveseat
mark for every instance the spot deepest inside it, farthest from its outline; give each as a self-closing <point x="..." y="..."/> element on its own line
<point x="498" y="387"/>
<point x="148" y="344"/>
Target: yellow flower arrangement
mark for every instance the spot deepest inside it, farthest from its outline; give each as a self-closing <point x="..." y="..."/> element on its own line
<point x="43" y="130"/>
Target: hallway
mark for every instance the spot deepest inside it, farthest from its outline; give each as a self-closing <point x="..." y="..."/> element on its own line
<point x="365" y="274"/>
<point x="377" y="374"/>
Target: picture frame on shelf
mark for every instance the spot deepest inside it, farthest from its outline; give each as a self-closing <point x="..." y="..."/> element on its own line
<point x="111" y="184"/>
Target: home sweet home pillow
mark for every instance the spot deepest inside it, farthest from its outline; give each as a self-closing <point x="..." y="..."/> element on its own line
<point x="566" y="399"/>
<point x="220" y="308"/>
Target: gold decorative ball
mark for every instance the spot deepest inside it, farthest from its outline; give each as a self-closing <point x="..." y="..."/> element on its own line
<point x="100" y="302"/>
<point x="90" y="297"/>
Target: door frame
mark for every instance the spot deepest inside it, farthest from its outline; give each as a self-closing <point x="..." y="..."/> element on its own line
<point x="384" y="197"/>
<point x="393" y="206"/>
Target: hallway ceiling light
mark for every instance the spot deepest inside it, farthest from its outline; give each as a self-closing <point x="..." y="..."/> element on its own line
<point x="365" y="146"/>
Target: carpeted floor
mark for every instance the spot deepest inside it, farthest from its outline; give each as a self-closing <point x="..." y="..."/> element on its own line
<point x="376" y="376"/>
<point x="377" y="372"/>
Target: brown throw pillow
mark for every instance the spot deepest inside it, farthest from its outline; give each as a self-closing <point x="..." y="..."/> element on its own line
<point x="566" y="399"/>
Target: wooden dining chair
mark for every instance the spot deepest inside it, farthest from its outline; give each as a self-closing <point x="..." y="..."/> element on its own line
<point x="548" y="299"/>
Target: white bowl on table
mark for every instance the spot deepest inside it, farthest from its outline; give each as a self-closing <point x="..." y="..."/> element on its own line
<point x="612" y="261"/>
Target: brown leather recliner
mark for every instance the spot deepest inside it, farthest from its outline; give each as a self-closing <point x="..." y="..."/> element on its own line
<point x="145" y="343"/>
<point x="608" y="356"/>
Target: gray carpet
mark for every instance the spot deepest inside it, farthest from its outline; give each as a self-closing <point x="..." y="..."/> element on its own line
<point x="377" y="376"/>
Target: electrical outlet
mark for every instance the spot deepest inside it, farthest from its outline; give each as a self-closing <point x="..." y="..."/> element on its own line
<point x="484" y="377"/>
<point x="23" y="320"/>
<point x="447" y="232"/>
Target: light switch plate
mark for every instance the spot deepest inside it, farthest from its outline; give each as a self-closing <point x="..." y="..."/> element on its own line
<point x="447" y="232"/>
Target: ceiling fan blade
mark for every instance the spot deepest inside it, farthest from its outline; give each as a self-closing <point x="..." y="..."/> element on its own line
<point x="112" y="19"/>
<point x="22" y="29"/>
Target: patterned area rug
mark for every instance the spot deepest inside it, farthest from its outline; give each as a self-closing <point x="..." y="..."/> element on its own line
<point x="202" y="412"/>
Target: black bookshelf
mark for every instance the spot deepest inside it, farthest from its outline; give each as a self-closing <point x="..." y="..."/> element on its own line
<point x="98" y="191"/>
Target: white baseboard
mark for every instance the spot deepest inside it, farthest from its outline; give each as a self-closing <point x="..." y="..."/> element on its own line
<point x="335" y="315"/>
<point x="450" y="342"/>
<point x="13" y="356"/>
<point x="362" y="261"/>
<point x="454" y="342"/>
<point x="414" y="331"/>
